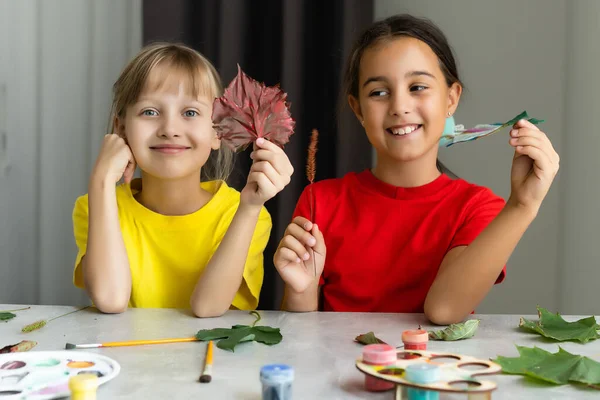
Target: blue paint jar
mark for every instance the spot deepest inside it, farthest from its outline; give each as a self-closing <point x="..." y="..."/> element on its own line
<point x="422" y="373"/>
<point x="277" y="381"/>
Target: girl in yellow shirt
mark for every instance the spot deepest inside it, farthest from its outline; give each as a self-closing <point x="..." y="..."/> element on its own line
<point x="168" y="239"/>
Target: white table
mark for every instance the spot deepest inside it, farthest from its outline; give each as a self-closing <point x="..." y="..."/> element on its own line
<point x="319" y="346"/>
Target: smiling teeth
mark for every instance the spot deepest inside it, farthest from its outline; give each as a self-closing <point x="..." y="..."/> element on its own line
<point x="406" y="130"/>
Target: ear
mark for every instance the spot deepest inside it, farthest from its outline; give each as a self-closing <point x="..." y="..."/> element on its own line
<point x="215" y="142"/>
<point x="355" y="106"/>
<point x="454" y="93"/>
<point x="119" y="127"/>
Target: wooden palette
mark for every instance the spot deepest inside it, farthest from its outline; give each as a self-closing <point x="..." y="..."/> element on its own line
<point x="458" y="373"/>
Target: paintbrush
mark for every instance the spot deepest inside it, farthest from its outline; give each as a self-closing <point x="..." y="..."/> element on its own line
<point x="70" y="346"/>
<point x="206" y="376"/>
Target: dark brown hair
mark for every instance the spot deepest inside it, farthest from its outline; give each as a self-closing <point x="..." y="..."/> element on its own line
<point x="392" y="28"/>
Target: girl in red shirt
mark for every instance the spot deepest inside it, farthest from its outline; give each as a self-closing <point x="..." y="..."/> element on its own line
<point x="405" y="237"/>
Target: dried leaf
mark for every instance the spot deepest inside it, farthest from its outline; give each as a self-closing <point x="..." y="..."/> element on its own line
<point x="559" y="368"/>
<point x="24" y="345"/>
<point x="40" y="324"/>
<point x="249" y="110"/>
<point x="368" y="338"/>
<point x="463" y="330"/>
<point x="5" y="316"/>
<point x="461" y="134"/>
<point x="34" y="326"/>
<point x="231" y="337"/>
<point x="553" y="326"/>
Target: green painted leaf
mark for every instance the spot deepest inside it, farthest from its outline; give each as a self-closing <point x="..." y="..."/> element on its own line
<point x="5" y="316"/>
<point x="231" y="337"/>
<point x="368" y="338"/>
<point x="559" y="368"/>
<point x="463" y="330"/>
<point x="553" y="326"/>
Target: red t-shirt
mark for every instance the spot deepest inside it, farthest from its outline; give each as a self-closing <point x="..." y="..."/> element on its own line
<point x="385" y="243"/>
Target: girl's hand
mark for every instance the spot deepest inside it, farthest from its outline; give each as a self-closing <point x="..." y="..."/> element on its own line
<point x="534" y="167"/>
<point x="271" y="171"/>
<point x="114" y="161"/>
<point x="294" y="261"/>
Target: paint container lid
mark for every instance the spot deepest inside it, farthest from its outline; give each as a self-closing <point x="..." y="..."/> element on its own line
<point x="277" y="373"/>
<point x="379" y="354"/>
<point x="422" y="373"/>
<point x="415" y="336"/>
<point x="83" y="383"/>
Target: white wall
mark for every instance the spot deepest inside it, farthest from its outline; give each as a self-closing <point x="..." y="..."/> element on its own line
<point x="511" y="57"/>
<point x="62" y="58"/>
<point x="580" y="258"/>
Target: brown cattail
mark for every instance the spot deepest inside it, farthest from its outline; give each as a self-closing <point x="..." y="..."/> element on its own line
<point x="311" y="164"/>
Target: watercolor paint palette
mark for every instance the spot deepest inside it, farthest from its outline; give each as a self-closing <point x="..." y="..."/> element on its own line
<point x="458" y="373"/>
<point x="42" y="375"/>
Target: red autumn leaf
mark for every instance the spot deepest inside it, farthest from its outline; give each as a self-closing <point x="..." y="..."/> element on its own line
<point x="249" y="110"/>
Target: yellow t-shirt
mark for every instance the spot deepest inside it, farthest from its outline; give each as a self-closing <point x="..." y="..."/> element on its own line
<point x="167" y="254"/>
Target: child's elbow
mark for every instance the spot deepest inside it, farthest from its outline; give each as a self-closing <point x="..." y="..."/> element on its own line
<point x="208" y="312"/>
<point x="443" y="315"/>
<point x="111" y="308"/>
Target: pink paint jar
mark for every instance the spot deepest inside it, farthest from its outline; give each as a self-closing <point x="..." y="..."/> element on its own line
<point x="415" y="339"/>
<point x="378" y="354"/>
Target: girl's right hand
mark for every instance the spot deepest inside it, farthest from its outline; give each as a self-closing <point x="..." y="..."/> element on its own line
<point x="114" y="161"/>
<point x="293" y="258"/>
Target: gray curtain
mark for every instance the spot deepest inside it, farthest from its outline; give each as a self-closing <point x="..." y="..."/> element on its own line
<point x="300" y="44"/>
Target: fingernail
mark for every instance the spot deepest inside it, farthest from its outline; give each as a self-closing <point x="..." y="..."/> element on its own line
<point x="306" y="256"/>
<point x="298" y="260"/>
<point x="312" y="241"/>
<point x="252" y="156"/>
<point x="307" y="226"/>
<point x="260" y="141"/>
<point x="514" y="132"/>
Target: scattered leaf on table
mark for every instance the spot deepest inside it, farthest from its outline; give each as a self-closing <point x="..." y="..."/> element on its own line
<point x="559" y="368"/>
<point x="553" y="326"/>
<point x="24" y="345"/>
<point x="249" y="110"/>
<point x="5" y="316"/>
<point x="231" y="337"/>
<point x="368" y="338"/>
<point x="463" y="330"/>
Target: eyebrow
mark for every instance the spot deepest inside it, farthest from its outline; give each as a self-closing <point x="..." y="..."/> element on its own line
<point x="407" y="75"/>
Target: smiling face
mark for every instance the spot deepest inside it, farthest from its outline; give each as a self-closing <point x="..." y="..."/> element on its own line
<point x="403" y="99"/>
<point x="169" y="126"/>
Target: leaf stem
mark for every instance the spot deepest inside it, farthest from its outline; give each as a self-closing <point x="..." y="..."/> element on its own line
<point x="257" y="315"/>
<point x="82" y="308"/>
<point x="20" y="309"/>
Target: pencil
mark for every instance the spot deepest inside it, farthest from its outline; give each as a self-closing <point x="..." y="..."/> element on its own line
<point x="206" y="376"/>
<point x="70" y="346"/>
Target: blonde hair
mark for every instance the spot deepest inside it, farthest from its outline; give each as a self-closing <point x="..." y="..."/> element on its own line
<point x="202" y="79"/>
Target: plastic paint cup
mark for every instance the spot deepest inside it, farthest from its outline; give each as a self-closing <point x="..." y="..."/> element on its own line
<point x="83" y="387"/>
<point x="415" y="339"/>
<point x="276" y="382"/>
<point x="422" y="374"/>
<point x="378" y="354"/>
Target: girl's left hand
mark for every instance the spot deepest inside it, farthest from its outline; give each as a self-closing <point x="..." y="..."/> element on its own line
<point x="271" y="171"/>
<point x="534" y="167"/>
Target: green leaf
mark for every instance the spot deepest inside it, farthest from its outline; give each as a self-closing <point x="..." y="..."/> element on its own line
<point x="5" y="316"/>
<point x="229" y="338"/>
<point x="463" y="330"/>
<point x="559" y="368"/>
<point x="553" y="326"/>
<point x="368" y="338"/>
